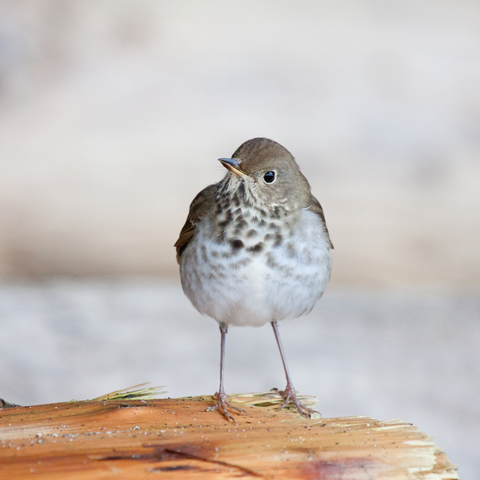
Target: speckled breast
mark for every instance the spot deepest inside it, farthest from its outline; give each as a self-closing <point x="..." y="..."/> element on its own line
<point x="249" y="267"/>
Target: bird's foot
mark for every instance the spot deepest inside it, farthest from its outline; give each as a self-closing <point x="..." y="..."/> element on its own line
<point x="290" y="396"/>
<point x="221" y="406"/>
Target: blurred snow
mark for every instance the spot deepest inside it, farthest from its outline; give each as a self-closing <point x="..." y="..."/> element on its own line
<point x="384" y="355"/>
<point x="112" y="116"/>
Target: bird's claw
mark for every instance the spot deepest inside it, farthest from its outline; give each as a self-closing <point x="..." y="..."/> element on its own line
<point x="221" y="406"/>
<point x="290" y="395"/>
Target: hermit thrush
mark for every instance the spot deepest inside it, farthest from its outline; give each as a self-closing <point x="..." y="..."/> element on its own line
<point x="255" y="248"/>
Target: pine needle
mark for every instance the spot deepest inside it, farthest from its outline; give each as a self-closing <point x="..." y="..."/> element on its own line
<point x="5" y="404"/>
<point x="133" y="393"/>
<point x="270" y="399"/>
<point x="264" y="399"/>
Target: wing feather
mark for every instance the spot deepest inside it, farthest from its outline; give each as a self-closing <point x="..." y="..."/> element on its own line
<point x="315" y="207"/>
<point x="198" y="209"/>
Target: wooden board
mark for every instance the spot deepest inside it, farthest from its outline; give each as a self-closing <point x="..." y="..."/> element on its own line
<point x="175" y="438"/>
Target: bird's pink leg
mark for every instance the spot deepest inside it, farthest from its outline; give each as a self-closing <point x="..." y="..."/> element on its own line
<point x="289" y="393"/>
<point x="221" y="396"/>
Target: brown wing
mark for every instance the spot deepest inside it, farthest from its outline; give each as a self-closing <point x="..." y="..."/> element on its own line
<point x="315" y="207"/>
<point x="198" y="209"/>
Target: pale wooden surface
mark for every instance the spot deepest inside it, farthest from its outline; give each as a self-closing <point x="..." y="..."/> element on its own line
<point x="177" y="439"/>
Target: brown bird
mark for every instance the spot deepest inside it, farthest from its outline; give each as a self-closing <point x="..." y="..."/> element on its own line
<point x="255" y="249"/>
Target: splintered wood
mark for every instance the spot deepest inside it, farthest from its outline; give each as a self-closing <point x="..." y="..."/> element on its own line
<point x="176" y="438"/>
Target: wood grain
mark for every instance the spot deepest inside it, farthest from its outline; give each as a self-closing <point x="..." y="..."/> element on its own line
<point x="175" y="438"/>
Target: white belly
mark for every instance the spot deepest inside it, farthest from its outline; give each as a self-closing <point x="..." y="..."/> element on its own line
<point x="281" y="282"/>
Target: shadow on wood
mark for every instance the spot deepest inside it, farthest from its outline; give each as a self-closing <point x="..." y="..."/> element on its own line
<point x="174" y="437"/>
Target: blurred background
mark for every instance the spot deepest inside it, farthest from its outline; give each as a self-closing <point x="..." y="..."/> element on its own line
<point x="112" y="117"/>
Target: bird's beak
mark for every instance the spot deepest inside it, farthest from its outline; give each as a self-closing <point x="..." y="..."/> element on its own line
<point x="233" y="164"/>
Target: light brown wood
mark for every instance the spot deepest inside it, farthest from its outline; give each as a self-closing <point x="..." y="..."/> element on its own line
<point x="175" y="438"/>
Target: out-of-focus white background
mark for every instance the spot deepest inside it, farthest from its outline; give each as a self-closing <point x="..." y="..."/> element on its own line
<point x="112" y="116"/>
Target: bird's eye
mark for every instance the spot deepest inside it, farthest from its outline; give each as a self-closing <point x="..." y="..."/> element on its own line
<point x="269" y="177"/>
